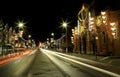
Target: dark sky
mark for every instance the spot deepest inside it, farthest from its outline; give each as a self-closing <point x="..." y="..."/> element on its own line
<point x="43" y="17"/>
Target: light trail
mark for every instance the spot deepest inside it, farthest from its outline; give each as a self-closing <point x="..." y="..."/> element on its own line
<point x="87" y="65"/>
<point x="13" y="56"/>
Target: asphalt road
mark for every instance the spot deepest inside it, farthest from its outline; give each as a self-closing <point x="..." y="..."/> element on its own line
<point x="35" y="64"/>
<point x="45" y="63"/>
<point x="79" y="67"/>
<point x="17" y="67"/>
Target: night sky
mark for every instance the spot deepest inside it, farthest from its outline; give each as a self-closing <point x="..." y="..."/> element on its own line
<point x="42" y="17"/>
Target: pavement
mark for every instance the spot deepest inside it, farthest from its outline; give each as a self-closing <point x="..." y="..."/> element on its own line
<point x="110" y="60"/>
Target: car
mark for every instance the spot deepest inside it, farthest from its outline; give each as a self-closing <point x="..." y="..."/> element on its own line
<point x="8" y="48"/>
<point x="19" y="49"/>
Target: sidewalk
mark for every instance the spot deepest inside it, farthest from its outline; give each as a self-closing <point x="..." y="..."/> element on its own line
<point x="110" y="60"/>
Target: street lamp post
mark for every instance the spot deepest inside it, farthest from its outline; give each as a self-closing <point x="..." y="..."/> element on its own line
<point x="20" y="25"/>
<point x="65" y="25"/>
<point x="20" y="31"/>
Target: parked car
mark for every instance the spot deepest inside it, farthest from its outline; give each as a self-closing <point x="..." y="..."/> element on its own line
<point x="19" y="49"/>
<point x="8" y="48"/>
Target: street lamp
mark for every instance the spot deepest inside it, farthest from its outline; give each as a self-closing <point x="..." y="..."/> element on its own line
<point x="20" y="25"/>
<point x="52" y="38"/>
<point x="29" y="36"/>
<point x="65" y="25"/>
<point x="20" y="31"/>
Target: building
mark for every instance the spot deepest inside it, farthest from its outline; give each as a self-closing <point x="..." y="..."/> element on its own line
<point x="97" y="34"/>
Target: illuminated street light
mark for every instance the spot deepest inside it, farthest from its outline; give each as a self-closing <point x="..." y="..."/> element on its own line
<point x="20" y="30"/>
<point x="52" y="38"/>
<point x="29" y="36"/>
<point x="20" y="25"/>
<point x="52" y="34"/>
<point x="65" y="25"/>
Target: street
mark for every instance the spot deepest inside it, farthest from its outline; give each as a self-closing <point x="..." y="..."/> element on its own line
<point x="46" y="63"/>
<point x="17" y="67"/>
<point x="76" y="67"/>
<point x="32" y="65"/>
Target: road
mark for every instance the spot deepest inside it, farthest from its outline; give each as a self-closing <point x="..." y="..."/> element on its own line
<point x="32" y="65"/>
<point x="17" y="67"/>
<point x="45" y="63"/>
<point x="79" y="67"/>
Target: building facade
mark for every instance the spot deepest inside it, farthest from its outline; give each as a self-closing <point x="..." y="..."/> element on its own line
<point x="97" y="34"/>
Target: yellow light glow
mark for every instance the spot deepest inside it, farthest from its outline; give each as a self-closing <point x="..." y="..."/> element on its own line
<point x="103" y="13"/>
<point x="91" y="22"/>
<point x="20" y="24"/>
<point x="113" y="29"/>
<point x="91" y="19"/>
<point x="112" y="24"/>
<point x="104" y="21"/>
<point x="113" y="34"/>
<point x="64" y="24"/>
<point x="103" y="17"/>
